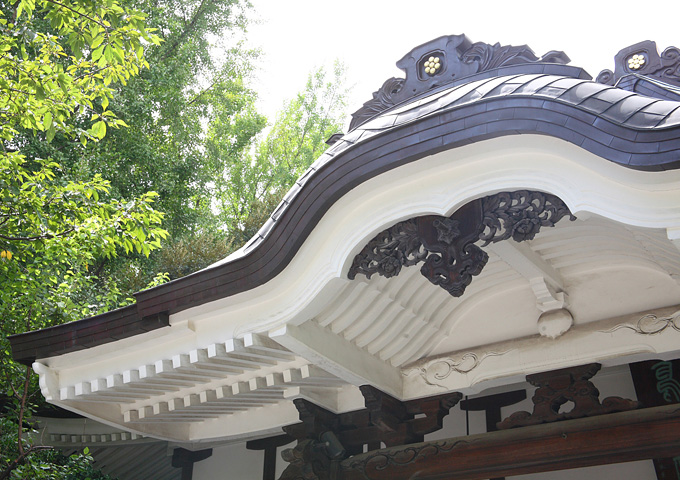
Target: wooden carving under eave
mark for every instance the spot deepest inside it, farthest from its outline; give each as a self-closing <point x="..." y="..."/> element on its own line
<point x="397" y="420"/>
<point x="446" y="245"/>
<point x="384" y="420"/>
<point x="306" y="462"/>
<point x="557" y="388"/>
<point x="605" y="439"/>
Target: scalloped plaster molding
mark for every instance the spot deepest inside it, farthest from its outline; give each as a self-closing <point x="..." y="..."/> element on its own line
<point x="434" y="185"/>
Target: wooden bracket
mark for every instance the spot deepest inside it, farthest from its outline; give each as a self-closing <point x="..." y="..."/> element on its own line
<point x="446" y="245"/>
<point x="185" y="459"/>
<point x="557" y="388"/>
<point x="384" y="420"/>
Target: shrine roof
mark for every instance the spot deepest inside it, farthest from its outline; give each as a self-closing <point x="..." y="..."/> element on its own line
<point x="630" y="117"/>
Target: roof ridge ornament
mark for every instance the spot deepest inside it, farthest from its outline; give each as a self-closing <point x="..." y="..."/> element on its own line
<point x="643" y="60"/>
<point x="442" y="61"/>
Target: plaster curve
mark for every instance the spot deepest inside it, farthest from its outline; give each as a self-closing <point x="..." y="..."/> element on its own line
<point x="440" y="184"/>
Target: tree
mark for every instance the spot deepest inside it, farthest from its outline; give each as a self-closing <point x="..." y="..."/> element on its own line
<point x="196" y="77"/>
<point x="73" y="72"/>
<point x="250" y="187"/>
<point x="59" y="63"/>
<point x="195" y="138"/>
<point x="197" y="67"/>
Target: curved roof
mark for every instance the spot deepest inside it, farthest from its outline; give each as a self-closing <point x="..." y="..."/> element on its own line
<point x="517" y="94"/>
<point x="487" y="148"/>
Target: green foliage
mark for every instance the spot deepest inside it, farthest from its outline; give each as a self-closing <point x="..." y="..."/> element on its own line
<point x="196" y="77"/>
<point x="252" y="186"/>
<point x="44" y="86"/>
<point x="59" y="64"/>
<point x="191" y="254"/>
<point x="168" y="107"/>
<point x="79" y="231"/>
<point x="305" y="123"/>
<point x="54" y="231"/>
<point x="46" y="464"/>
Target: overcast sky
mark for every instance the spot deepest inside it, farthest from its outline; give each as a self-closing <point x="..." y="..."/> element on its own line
<point x="369" y="36"/>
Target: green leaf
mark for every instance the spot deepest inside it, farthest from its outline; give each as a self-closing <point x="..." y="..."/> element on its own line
<point x="108" y="53"/>
<point x="99" y="129"/>
<point x="47" y="120"/>
<point x="97" y="53"/>
<point x="97" y="40"/>
<point x="118" y="53"/>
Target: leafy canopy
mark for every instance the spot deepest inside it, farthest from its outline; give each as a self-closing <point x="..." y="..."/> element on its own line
<point x="59" y="63"/>
<point x="249" y="188"/>
<point x="43" y="86"/>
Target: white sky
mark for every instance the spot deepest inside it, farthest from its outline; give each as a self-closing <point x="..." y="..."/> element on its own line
<point x="369" y="36"/>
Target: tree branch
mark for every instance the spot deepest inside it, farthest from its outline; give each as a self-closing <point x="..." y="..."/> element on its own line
<point x="83" y="15"/>
<point x="21" y="459"/>
<point x="46" y="236"/>
<point x="185" y="32"/>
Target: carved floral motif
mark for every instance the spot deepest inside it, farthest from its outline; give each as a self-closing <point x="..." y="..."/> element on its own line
<point x="442" y="61"/>
<point x="520" y="215"/>
<point x="453" y="259"/>
<point x="382" y="459"/>
<point x="399" y="245"/>
<point x="557" y="388"/>
<point x="447" y="245"/>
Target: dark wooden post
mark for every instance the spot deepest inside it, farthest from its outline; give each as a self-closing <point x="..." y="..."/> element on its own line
<point x="491" y="405"/>
<point x="269" y="445"/>
<point x="185" y="459"/>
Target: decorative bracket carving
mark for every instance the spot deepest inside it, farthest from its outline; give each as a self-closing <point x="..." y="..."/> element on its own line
<point x="442" y="61"/>
<point x="559" y="387"/>
<point x="446" y="245"/>
<point x="306" y="462"/>
<point x="397" y="420"/>
<point x="385" y="420"/>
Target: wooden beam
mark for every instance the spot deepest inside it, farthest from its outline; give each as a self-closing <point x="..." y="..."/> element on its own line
<point x="338" y="356"/>
<point x="527" y="263"/>
<point x="612" y="438"/>
<point x="269" y="446"/>
<point x="546" y="282"/>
